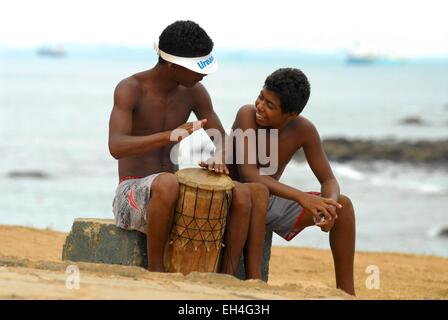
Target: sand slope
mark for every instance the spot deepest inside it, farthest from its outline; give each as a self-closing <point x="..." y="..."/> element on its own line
<point x="31" y="267"/>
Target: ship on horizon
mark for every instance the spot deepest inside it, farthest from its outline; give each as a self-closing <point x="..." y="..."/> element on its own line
<point x="52" y="51"/>
<point x="363" y="56"/>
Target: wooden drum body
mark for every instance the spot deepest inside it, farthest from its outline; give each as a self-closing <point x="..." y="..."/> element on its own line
<point x="196" y="237"/>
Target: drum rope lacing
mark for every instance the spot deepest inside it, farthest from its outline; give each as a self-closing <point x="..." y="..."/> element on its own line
<point x="209" y="230"/>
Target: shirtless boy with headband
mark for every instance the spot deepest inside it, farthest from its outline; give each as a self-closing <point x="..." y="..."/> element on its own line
<point x="148" y="107"/>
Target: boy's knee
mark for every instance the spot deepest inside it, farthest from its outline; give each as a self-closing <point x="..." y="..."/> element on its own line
<point x="347" y="211"/>
<point x="165" y="185"/>
<point x="345" y="201"/>
<point x="241" y="196"/>
<point x="259" y="190"/>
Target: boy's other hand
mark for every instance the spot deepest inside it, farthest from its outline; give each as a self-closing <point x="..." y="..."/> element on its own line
<point x="321" y="208"/>
<point x="324" y="224"/>
<point x="193" y="125"/>
<point x="186" y="129"/>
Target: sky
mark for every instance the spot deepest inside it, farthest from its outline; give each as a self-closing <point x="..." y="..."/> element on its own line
<point x="398" y="27"/>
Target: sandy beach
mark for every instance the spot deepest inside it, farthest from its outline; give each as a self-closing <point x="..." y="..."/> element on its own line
<point x="31" y="268"/>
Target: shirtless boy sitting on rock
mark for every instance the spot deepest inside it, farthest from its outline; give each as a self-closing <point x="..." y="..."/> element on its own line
<point x="148" y="107"/>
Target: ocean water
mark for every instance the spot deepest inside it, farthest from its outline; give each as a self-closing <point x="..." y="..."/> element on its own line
<point x="54" y="117"/>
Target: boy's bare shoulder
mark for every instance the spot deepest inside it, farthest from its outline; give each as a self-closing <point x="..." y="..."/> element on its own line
<point x="129" y="84"/>
<point x="127" y="92"/>
<point x="245" y="117"/>
<point x="304" y="127"/>
<point x="304" y="123"/>
<point x="198" y="91"/>
<point x="247" y="110"/>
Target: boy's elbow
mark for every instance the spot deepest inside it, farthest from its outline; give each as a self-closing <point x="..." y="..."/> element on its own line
<point x="114" y="154"/>
<point x="114" y="151"/>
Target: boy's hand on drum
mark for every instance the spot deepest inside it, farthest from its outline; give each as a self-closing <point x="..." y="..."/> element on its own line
<point x="214" y="164"/>
<point x="186" y="129"/>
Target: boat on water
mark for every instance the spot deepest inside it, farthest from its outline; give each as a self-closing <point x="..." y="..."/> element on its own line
<point x="364" y="56"/>
<point x="356" y="58"/>
<point x="52" y="52"/>
<point x="368" y="59"/>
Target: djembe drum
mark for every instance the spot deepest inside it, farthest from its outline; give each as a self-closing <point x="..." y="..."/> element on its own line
<point x="196" y="237"/>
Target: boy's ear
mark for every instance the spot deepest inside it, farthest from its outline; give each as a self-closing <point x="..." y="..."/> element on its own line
<point x="292" y="115"/>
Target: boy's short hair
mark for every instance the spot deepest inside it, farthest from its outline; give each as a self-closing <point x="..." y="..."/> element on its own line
<point x="291" y="86"/>
<point x="185" y="38"/>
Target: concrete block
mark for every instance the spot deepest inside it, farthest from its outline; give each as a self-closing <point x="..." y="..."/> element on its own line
<point x="100" y="241"/>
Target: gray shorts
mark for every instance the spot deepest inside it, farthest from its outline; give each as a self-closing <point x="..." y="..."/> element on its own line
<point x="284" y="216"/>
<point x="131" y="201"/>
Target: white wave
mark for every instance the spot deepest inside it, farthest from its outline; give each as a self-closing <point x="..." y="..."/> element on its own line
<point x="430" y="189"/>
<point x="435" y="231"/>
<point x="348" y="172"/>
<point x="406" y="184"/>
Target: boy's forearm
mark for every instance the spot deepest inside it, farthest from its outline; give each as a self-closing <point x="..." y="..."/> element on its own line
<point x="330" y="189"/>
<point x="215" y="130"/>
<point x="122" y="146"/>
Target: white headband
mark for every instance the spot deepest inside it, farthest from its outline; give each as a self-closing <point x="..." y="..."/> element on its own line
<point x="204" y="65"/>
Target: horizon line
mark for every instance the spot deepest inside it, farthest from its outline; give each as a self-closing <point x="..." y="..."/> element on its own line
<point x="261" y="50"/>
